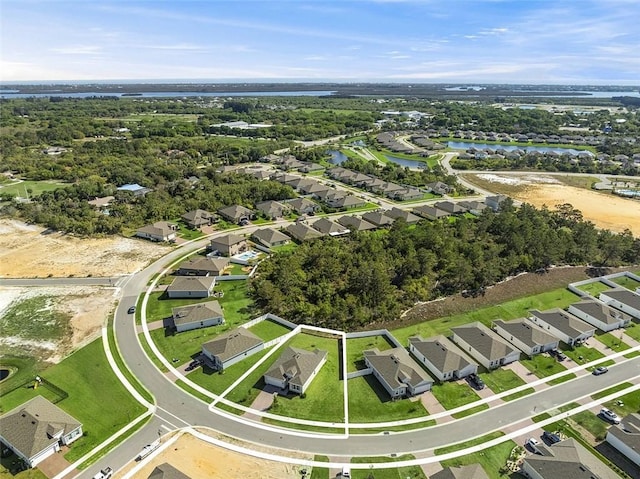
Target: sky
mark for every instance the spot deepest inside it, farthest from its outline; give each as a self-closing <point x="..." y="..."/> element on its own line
<point x="428" y="41"/>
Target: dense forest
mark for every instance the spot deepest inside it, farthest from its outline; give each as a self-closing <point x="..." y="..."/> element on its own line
<point x="369" y="277"/>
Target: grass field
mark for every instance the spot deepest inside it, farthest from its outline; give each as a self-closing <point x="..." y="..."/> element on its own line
<point x="452" y="395"/>
<point x="411" y="472"/>
<point x="517" y="308"/>
<point x="583" y="353"/>
<point x="633" y="331"/>
<point x="492" y="459"/>
<point x="543" y="365"/>
<point x="355" y="347"/>
<point x="500" y="380"/>
<point x="595" y="288"/>
<point x="268" y="330"/>
<point x="370" y="402"/>
<point x="86" y="376"/>
<point x="30" y="188"/>
<point x="612" y="341"/>
<point x="627" y="282"/>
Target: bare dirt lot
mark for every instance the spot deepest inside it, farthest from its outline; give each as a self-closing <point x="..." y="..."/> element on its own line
<point x="28" y="251"/>
<point x="197" y="458"/>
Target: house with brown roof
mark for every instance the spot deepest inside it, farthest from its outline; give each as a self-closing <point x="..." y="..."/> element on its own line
<point x="228" y="245"/>
<point x="295" y="369"/>
<point x="235" y="213"/>
<point x="407" y="216"/>
<point x="355" y="223"/>
<point x="528" y="337"/>
<point x="625" y="437"/>
<point x="202" y="266"/>
<point x="598" y="314"/>
<point x="231" y="347"/>
<point x="191" y="287"/>
<point x="302" y="232"/>
<point x="159" y="231"/>
<point x="563" y="325"/>
<point x="37" y="429"/>
<point x="195" y="316"/>
<point x="484" y="345"/>
<point x="270" y="237"/>
<point x="441" y="357"/>
<point x="198" y="218"/>
<point x="397" y="372"/>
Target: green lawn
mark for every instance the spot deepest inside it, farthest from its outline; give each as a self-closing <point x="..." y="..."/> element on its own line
<point x="543" y="365"/>
<point x="268" y="330"/>
<point x="320" y="472"/>
<point x="186" y="345"/>
<point x="592" y="423"/>
<point x="355" y="347"/>
<point x="517" y="308"/>
<point x="370" y="402"/>
<point x="452" y="395"/>
<point x="31" y="188"/>
<point x="187" y="233"/>
<point x="613" y="341"/>
<point x="285" y="248"/>
<point x="500" y="380"/>
<point x="86" y="377"/>
<point x="630" y="404"/>
<point x="491" y="459"/>
<point x="633" y="331"/>
<point x="627" y="282"/>
<point x="595" y="288"/>
<point x="409" y="472"/>
<point x="611" y="390"/>
<point x="583" y="353"/>
<point x="23" y="370"/>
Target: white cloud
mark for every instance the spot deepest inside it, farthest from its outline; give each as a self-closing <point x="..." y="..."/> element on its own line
<point x="78" y="50"/>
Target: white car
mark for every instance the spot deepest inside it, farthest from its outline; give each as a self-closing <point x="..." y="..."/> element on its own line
<point x="532" y="443"/>
<point x="609" y="415"/>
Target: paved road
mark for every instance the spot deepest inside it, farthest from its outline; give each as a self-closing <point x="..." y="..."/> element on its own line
<point x="89" y="281"/>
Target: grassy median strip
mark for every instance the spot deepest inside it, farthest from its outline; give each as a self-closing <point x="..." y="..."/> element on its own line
<point x="391" y="473"/>
<point x="492" y="459"/>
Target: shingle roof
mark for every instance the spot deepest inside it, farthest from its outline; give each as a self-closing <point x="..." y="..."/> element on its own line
<point x="328" y="227"/>
<point x="269" y="235"/>
<point x="213" y="265"/>
<point x="232" y="343"/>
<point x="296" y="364"/>
<point x="429" y="211"/>
<point x="472" y="471"/>
<point x="600" y="311"/>
<point x="228" y="240"/>
<point x="396" y="213"/>
<point x="197" y="217"/>
<point x="235" y="211"/>
<point x="377" y="218"/>
<point x="628" y="431"/>
<point x="356" y="223"/>
<point x="192" y="283"/>
<point x="302" y="203"/>
<point x="563" y="321"/>
<point x="526" y="331"/>
<point x="196" y="312"/>
<point x="440" y="352"/>
<point x="625" y="296"/>
<point x="396" y="367"/>
<point x="167" y="471"/>
<point x="160" y="228"/>
<point x="30" y="427"/>
<point x="483" y="340"/>
<point x="302" y="232"/>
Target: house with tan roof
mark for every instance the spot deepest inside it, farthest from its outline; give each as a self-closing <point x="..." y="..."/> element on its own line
<point x="430" y="213"/>
<point x="231" y="347"/>
<point x="101" y="203"/>
<point x="235" y="213"/>
<point x="528" y="337"/>
<point x="406" y="216"/>
<point x="378" y="218"/>
<point x="484" y="345"/>
<point x="272" y="209"/>
<point x="228" y="245"/>
<point x="441" y="357"/>
<point x="355" y="223"/>
<point x="304" y="206"/>
<point x="198" y="218"/>
<point x="191" y="287"/>
<point x="397" y="372"/>
<point x="270" y="237"/>
<point x="159" y="231"/>
<point x="625" y="437"/>
<point x="302" y="232"/>
<point x="37" y="429"/>
<point x="563" y="325"/>
<point x="202" y="266"/>
<point x="195" y="316"/>
<point x="598" y="314"/>
<point x="330" y="228"/>
<point x="295" y="369"/>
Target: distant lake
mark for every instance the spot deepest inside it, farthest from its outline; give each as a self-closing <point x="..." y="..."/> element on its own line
<point x="337" y="158"/>
<point x="161" y="94"/>
<point x="465" y="145"/>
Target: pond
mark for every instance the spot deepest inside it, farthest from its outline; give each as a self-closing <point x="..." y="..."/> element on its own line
<point x="337" y="158"/>
<point x="465" y="145"/>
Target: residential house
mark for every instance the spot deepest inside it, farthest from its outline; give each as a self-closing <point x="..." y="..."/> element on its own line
<point x="471" y="471"/>
<point x="159" y="231"/>
<point x="313" y="188"/>
<point x="406" y="194"/>
<point x="484" y="345"/>
<point x="270" y="237"/>
<point x="54" y="150"/>
<point x="439" y="188"/>
<point x="272" y="209"/>
<point x="231" y="347"/>
<point x="355" y="223"/>
<point x="622" y="299"/>
<point x="228" y="245"/>
<point x="330" y="228"/>
<point x="625" y="437"/>
<point x="598" y="314"/>
<point x="346" y="202"/>
<point x="397" y="372"/>
<point x="474" y="207"/>
<point x="451" y="207"/>
<point x="304" y="206"/>
<point x="441" y="357"/>
<point x="528" y="337"/>
<point x="377" y="218"/>
<point x="167" y="471"/>
<point x="295" y="369"/>
<point x="271" y="158"/>
<point x="565" y="459"/>
<point x="135" y="189"/>
<point x="299" y="183"/>
<point x="429" y="212"/>
<point x="198" y="218"/>
<point x="101" y="203"/>
<point x="191" y="287"/>
<point x="302" y="232"/>
<point x="494" y="202"/>
<point x="200" y="315"/>
<point x="37" y="429"/>
<point x="236" y="213"/>
<point x="407" y="216"/>
<point x="309" y="167"/>
<point x="202" y="266"/>
<point x="284" y="178"/>
<point x="563" y="325"/>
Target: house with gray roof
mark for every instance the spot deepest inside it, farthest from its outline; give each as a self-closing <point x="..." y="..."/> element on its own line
<point x="198" y="218"/>
<point x="167" y="471"/>
<point x="471" y="471"/>
<point x="195" y="316"/>
<point x="441" y="357"/>
<point x="484" y="345"/>
<point x="158" y="231"/>
<point x="202" y="266"/>
<point x="37" y="429"/>
<point x="598" y="314"/>
<point x="378" y="218"/>
<point x="429" y="212"/>
<point x="300" y="183"/>
<point x="625" y="437"/>
<point x="231" y="347"/>
<point x="566" y="459"/>
<point x="304" y="206"/>
<point x="302" y="232"/>
<point x="228" y="245"/>
<point x="439" y="188"/>
<point x="622" y="299"/>
<point x="495" y="202"/>
<point x="528" y="337"/>
<point x="406" y="194"/>
<point x="270" y="237"/>
<point x="563" y="325"/>
<point x="355" y="223"/>
<point x="272" y="209"/>
<point x="235" y="213"/>
<point x="310" y="167"/>
<point x="312" y="188"/>
<point x="295" y="369"/>
<point x="346" y="201"/>
<point x="451" y="207"/>
<point x="407" y="216"/>
<point x="191" y="287"/>
<point x="474" y="207"/>
<point x="399" y="374"/>
<point x="330" y="228"/>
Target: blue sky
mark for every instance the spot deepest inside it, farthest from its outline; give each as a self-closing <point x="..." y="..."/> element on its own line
<point x="434" y="41"/>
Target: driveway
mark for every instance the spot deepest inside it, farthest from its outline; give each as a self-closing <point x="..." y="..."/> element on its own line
<point x="55" y="464"/>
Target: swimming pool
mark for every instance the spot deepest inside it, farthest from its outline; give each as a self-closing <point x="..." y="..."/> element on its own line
<point x="247" y="255"/>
